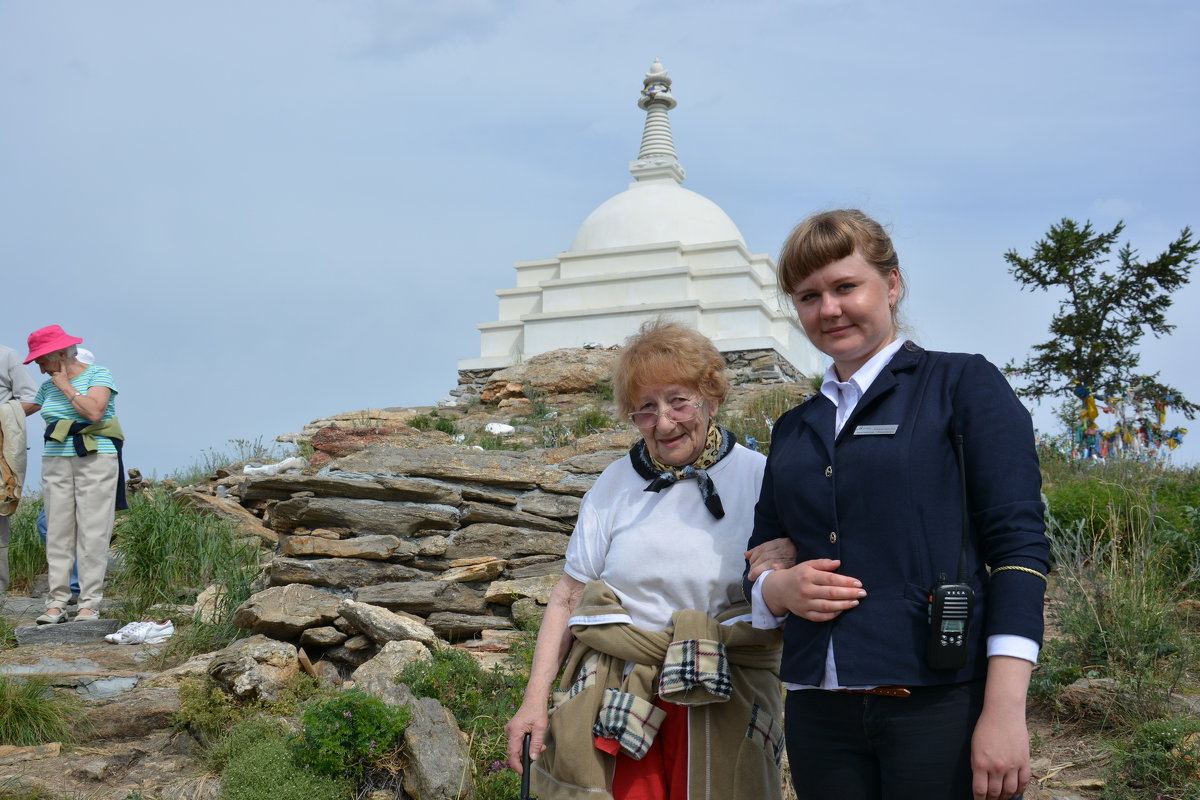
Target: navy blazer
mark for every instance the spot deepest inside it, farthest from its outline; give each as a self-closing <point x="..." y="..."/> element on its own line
<point x="885" y="498"/>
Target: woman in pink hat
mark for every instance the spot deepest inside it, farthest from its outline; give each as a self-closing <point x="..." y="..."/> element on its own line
<point x="81" y="469"/>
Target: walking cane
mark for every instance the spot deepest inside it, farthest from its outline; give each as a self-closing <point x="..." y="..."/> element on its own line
<point x="525" y="767"/>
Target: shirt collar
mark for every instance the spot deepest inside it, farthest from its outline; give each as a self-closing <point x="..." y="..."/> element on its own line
<point x="864" y="377"/>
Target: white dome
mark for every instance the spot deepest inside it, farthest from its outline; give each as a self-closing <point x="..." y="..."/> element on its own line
<point x="653" y="212"/>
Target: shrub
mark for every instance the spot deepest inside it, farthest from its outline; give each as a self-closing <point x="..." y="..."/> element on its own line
<point x="1160" y="760"/>
<point x="33" y="713"/>
<point x="348" y="733"/>
<point x="257" y="762"/>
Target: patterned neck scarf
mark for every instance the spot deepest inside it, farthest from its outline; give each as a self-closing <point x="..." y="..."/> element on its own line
<point x="718" y="444"/>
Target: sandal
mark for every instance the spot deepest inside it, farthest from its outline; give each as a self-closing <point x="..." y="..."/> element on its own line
<point x="52" y="619"/>
<point x="85" y="614"/>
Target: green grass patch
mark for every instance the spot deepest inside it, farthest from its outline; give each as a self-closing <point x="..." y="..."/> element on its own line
<point x="592" y="420"/>
<point x="257" y="762"/>
<point x="31" y="712"/>
<point x="433" y="423"/>
<point x="169" y="553"/>
<point x="235" y="451"/>
<point x="26" y="553"/>
<point x="1120" y="577"/>
<point x="8" y="637"/>
<point x="208" y="712"/>
<point x="754" y="425"/>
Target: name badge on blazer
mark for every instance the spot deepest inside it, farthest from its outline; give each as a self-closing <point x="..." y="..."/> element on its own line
<point x="876" y="430"/>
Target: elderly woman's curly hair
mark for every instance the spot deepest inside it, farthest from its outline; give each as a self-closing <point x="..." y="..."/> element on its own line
<point x="664" y="352"/>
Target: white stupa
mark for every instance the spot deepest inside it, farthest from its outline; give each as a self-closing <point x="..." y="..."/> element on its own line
<point x="654" y="249"/>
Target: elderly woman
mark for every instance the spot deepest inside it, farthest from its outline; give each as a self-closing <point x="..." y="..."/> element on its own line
<point x="911" y="488"/>
<point x="81" y="469"/>
<point x="667" y="690"/>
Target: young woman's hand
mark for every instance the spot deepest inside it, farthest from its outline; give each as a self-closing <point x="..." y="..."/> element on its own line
<point x="812" y="590"/>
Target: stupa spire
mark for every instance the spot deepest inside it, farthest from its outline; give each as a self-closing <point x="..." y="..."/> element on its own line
<point x="657" y="160"/>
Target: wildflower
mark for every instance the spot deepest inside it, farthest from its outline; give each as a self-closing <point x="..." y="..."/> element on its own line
<point x="496" y="766"/>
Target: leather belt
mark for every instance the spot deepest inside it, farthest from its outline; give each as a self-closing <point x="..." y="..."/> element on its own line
<point x="886" y="691"/>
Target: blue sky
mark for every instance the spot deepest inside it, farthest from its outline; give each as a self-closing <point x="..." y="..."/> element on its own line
<point x="262" y="213"/>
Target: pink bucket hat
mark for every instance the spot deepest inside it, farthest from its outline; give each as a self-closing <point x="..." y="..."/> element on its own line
<point x="47" y="340"/>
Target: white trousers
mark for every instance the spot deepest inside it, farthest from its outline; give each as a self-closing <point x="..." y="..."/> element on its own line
<point x="80" y="493"/>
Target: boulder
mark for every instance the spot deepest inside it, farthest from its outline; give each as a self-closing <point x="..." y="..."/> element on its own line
<point x="383" y="626"/>
<point x="335" y="441"/>
<point x="473" y="570"/>
<point x="225" y="508"/>
<point x="378" y="676"/>
<point x="323" y="637"/>
<point x="503" y="541"/>
<point x="485" y="512"/>
<point x="566" y="371"/>
<point x="133" y="714"/>
<point x="439" y="759"/>
<point x="339" y="572"/>
<point x="527" y="614"/>
<point x="378" y="548"/>
<point x="83" y="632"/>
<point x="362" y="516"/>
<point x="284" y="612"/>
<point x="255" y="668"/>
<point x="508" y="592"/>
<point x="553" y="566"/>
<point x="423" y="597"/>
<point x="490" y="467"/>
<point x="282" y="487"/>
<point x="449" y="625"/>
<point x="591" y="463"/>
<point x="544" y="504"/>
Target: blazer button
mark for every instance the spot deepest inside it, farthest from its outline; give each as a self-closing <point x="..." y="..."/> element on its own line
<point x="833" y="537"/>
<point x="829" y="472"/>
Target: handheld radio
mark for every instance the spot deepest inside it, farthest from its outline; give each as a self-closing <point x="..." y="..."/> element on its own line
<point x="950" y="608"/>
<point x="951" y="604"/>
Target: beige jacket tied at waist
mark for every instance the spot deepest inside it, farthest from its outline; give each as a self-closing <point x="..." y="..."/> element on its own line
<point x="12" y="455"/>
<point x="728" y="676"/>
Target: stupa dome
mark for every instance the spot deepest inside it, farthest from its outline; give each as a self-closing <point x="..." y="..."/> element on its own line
<point x="652" y="212"/>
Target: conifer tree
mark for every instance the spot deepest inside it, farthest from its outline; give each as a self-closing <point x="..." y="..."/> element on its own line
<point x="1102" y="315"/>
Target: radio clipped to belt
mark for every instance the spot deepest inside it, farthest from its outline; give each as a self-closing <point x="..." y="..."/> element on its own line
<point x="952" y="604"/>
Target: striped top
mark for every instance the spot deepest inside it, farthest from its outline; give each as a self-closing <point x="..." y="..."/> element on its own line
<point x="56" y="406"/>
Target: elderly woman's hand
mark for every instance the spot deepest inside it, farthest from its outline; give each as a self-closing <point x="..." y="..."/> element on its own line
<point x="531" y="719"/>
<point x="775" y="554"/>
<point x="812" y="590"/>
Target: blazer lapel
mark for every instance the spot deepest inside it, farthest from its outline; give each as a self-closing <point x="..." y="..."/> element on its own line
<point x="885" y="382"/>
<point x="819" y="416"/>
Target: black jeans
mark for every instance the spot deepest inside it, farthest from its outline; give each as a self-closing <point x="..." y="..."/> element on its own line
<point x="872" y="747"/>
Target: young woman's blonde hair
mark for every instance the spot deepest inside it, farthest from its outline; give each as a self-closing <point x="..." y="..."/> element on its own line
<point x="665" y="352"/>
<point x="831" y="236"/>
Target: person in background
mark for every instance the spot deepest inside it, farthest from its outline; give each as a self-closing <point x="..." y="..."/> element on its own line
<point x="85" y="356"/>
<point x="910" y="470"/>
<point x="667" y="690"/>
<point x="81" y="469"/>
<point x="17" y="392"/>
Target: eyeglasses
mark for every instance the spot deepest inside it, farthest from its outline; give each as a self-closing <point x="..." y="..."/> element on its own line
<point x="678" y="411"/>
